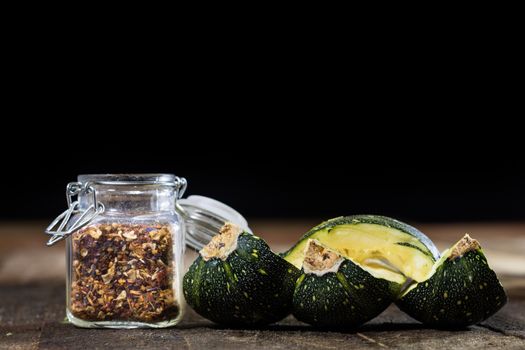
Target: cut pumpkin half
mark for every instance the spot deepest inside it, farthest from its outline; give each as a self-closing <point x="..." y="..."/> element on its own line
<point x="334" y="292"/>
<point x="384" y="247"/>
<point x="238" y="280"/>
<point x="459" y="291"/>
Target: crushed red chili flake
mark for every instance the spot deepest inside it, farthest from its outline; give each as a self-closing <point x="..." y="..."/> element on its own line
<point x="123" y="272"/>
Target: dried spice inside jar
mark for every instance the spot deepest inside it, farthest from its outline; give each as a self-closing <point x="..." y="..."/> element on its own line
<point x="123" y="272"/>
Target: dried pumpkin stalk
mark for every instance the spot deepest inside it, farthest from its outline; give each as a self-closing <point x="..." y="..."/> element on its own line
<point x="123" y="272"/>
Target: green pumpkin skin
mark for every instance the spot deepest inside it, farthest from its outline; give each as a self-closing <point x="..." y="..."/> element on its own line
<point x="462" y="291"/>
<point x="345" y="298"/>
<point x="253" y="286"/>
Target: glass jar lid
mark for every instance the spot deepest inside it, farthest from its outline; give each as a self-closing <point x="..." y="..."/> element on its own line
<point x="203" y="218"/>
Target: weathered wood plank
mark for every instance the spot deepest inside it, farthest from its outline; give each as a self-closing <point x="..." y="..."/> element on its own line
<point x="32" y="316"/>
<point x="510" y="320"/>
<point x="24" y="310"/>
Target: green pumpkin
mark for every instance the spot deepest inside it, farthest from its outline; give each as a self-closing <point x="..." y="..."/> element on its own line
<point x="461" y="289"/>
<point x="384" y="247"/>
<point x="337" y="293"/>
<point x="238" y="280"/>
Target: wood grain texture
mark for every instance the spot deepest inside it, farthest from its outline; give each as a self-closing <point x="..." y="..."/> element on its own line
<point x="32" y="304"/>
<point x="32" y="316"/>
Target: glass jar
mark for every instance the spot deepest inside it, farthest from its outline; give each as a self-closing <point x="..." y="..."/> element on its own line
<point x="125" y="240"/>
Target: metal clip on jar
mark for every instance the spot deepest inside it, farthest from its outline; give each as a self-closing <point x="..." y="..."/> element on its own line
<point x="125" y="240"/>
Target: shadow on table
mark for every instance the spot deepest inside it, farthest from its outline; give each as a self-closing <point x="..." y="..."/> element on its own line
<point x="382" y="327"/>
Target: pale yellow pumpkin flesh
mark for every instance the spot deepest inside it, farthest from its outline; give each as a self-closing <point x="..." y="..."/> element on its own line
<point x="384" y="252"/>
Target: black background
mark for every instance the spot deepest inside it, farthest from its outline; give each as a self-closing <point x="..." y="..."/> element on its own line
<point x="422" y="128"/>
<point x="304" y="180"/>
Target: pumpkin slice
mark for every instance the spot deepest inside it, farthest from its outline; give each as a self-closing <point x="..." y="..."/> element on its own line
<point x="459" y="291"/>
<point x="335" y="292"/>
<point x="384" y="247"/>
<point x="238" y="280"/>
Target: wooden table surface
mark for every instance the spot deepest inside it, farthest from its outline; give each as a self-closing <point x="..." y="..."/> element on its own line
<point x="32" y="302"/>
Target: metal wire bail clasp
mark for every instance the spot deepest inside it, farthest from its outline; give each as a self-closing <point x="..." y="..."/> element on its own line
<point x="68" y="222"/>
<point x="180" y="186"/>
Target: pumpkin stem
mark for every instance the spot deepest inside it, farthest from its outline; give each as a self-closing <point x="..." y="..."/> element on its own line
<point x="319" y="259"/>
<point x="223" y="244"/>
<point x="465" y="245"/>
